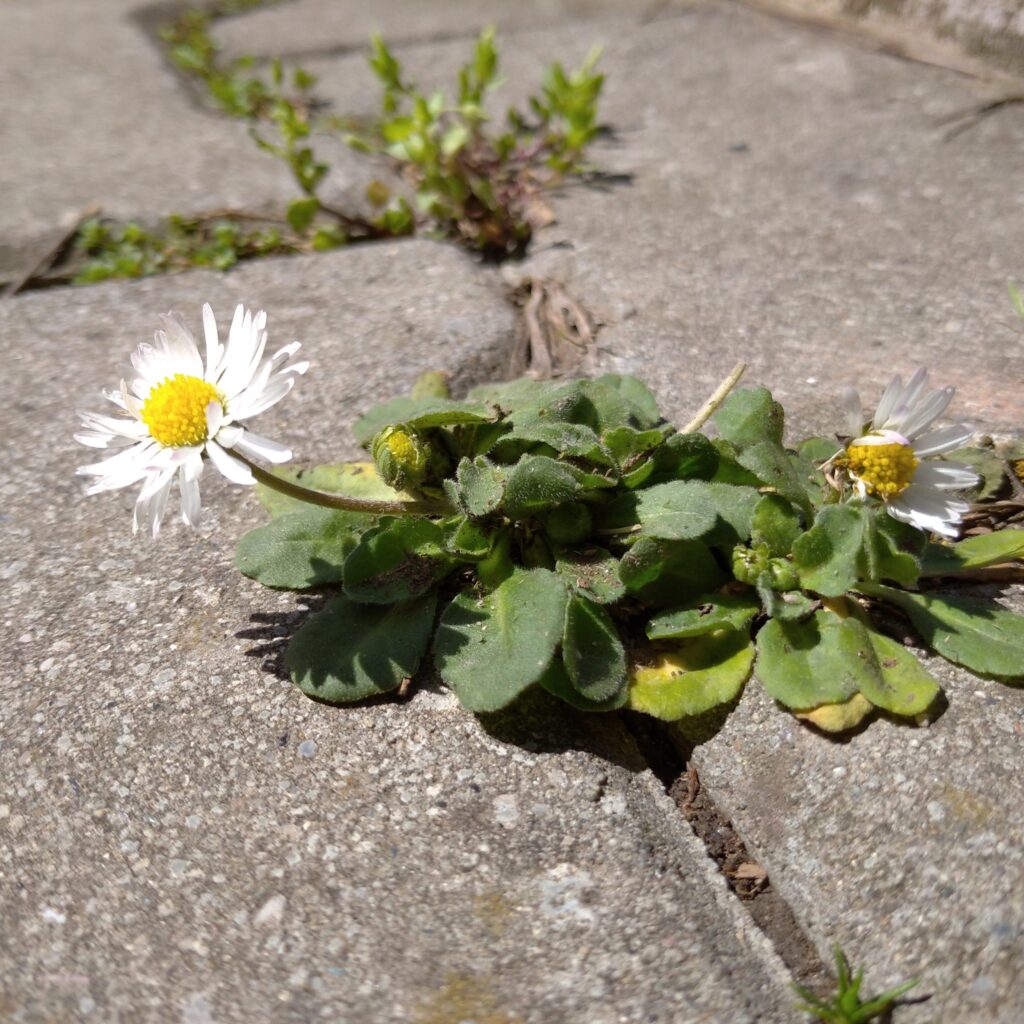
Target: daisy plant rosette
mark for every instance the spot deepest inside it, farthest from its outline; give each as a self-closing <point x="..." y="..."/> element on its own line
<point x="565" y="538"/>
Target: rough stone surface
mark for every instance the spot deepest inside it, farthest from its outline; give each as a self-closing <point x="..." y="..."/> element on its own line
<point x="316" y="26"/>
<point x="186" y="837"/>
<point x="992" y="29"/>
<point x="95" y="115"/>
<point x="793" y="204"/>
<point x="905" y="845"/>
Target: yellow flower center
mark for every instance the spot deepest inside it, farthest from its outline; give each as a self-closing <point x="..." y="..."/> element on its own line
<point x="175" y="411"/>
<point x="402" y="446"/>
<point x="885" y="469"/>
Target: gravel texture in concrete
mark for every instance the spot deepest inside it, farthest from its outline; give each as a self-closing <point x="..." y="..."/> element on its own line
<point x="904" y="845"/>
<point x="186" y="837"/>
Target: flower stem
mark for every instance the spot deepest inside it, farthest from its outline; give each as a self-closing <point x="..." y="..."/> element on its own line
<point x="715" y="400"/>
<point x="341" y="501"/>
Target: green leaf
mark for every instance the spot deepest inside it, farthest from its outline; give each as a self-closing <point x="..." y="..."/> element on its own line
<point x="301" y="213"/>
<point x="997" y="548"/>
<point x="419" y="413"/>
<point x="685" y="457"/>
<point x="592" y="651"/>
<point x="569" y="439"/>
<point x="537" y="483"/>
<point x="660" y="573"/>
<point x="396" y="561"/>
<point x="354" y="479"/>
<point x="593" y="572"/>
<point x="749" y="416"/>
<point x="821" y="660"/>
<point x="903" y="685"/>
<point x="299" y="550"/>
<point x="705" y="614"/>
<point x="349" y="651"/>
<point x="693" y="676"/>
<point x="776" y="524"/>
<point x="514" y="395"/>
<point x="480" y="486"/>
<point x="853" y="542"/>
<point x="556" y="681"/>
<point x="771" y="464"/>
<point x="969" y="631"/>
<point x="827" y="555"/>
<point x="641" y="405"/>
<point x="489" y="649"/>
<point x="686" y="509"/>
<point x="467" y="541"/>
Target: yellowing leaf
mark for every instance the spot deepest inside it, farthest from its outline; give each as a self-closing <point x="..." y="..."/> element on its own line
<point x="838" y="717"/>
<point x="692" y="676"/>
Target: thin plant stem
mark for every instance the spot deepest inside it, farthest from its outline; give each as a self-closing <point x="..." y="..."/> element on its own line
<point x="717" y="398"/>
<point x="341" y="501"/>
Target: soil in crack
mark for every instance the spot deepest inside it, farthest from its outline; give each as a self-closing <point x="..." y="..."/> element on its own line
<point x="749" y="881"/>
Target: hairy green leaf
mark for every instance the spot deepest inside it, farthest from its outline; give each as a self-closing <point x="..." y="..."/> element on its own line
<point x="705" y="614"/>
<point x="298" y="550"/>
<point x="594" y="657"/>
<point x="396" y="561"/>
<point x="489" y="649"/>
<point x="349" y="651"/>
<point x="969" y="631"/>
<point x="749" y="416"/>
<point x="663" y="573"/>
<point x="821" y="660"/>
<point x="997" y="548"/>
<point x="593" y="572"/>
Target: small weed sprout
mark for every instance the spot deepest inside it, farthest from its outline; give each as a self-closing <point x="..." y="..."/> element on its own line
<point x="846" y="1007"/>
<point x="471" y="183"/>
<point x="466" y="181"/>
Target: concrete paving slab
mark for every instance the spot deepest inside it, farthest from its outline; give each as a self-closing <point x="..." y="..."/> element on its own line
<point x="905" y="845"/>
<point x="316" y="26"/>
<point x="92" y="113"/>
<point x="188" y="838"/>
<point x="793" y="204"/>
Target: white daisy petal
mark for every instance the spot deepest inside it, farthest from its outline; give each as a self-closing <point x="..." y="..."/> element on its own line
<point x="214" y="418"/>
<point x="235" y="471"/>
<point x="945" y="439"/>
<point x="213" y="345"/>
<point x="259" y="402"/>
<point x="262" y="448"/>
<point x="854" y="411"/>
<point x="188" y="484"/>
<point x="158" y="503"/>
<point x="925" y="412"/>
<point x="885" y="406"/>
<point x="946" y="476"/>
<point x="907" y="399"/>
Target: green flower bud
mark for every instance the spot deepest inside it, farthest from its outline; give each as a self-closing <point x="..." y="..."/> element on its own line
<point x="402" y="457"/>
<point x="782" y="574"/>
<point x="747" y="565"/>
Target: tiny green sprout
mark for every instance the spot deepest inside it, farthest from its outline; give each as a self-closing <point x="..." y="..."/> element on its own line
<point x="846" y="1007"/>
<point x="1017" y="299"/>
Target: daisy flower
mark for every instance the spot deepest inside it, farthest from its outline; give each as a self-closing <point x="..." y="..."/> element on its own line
<point x="176" y="414"/>
<point x="886" y="457"/>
